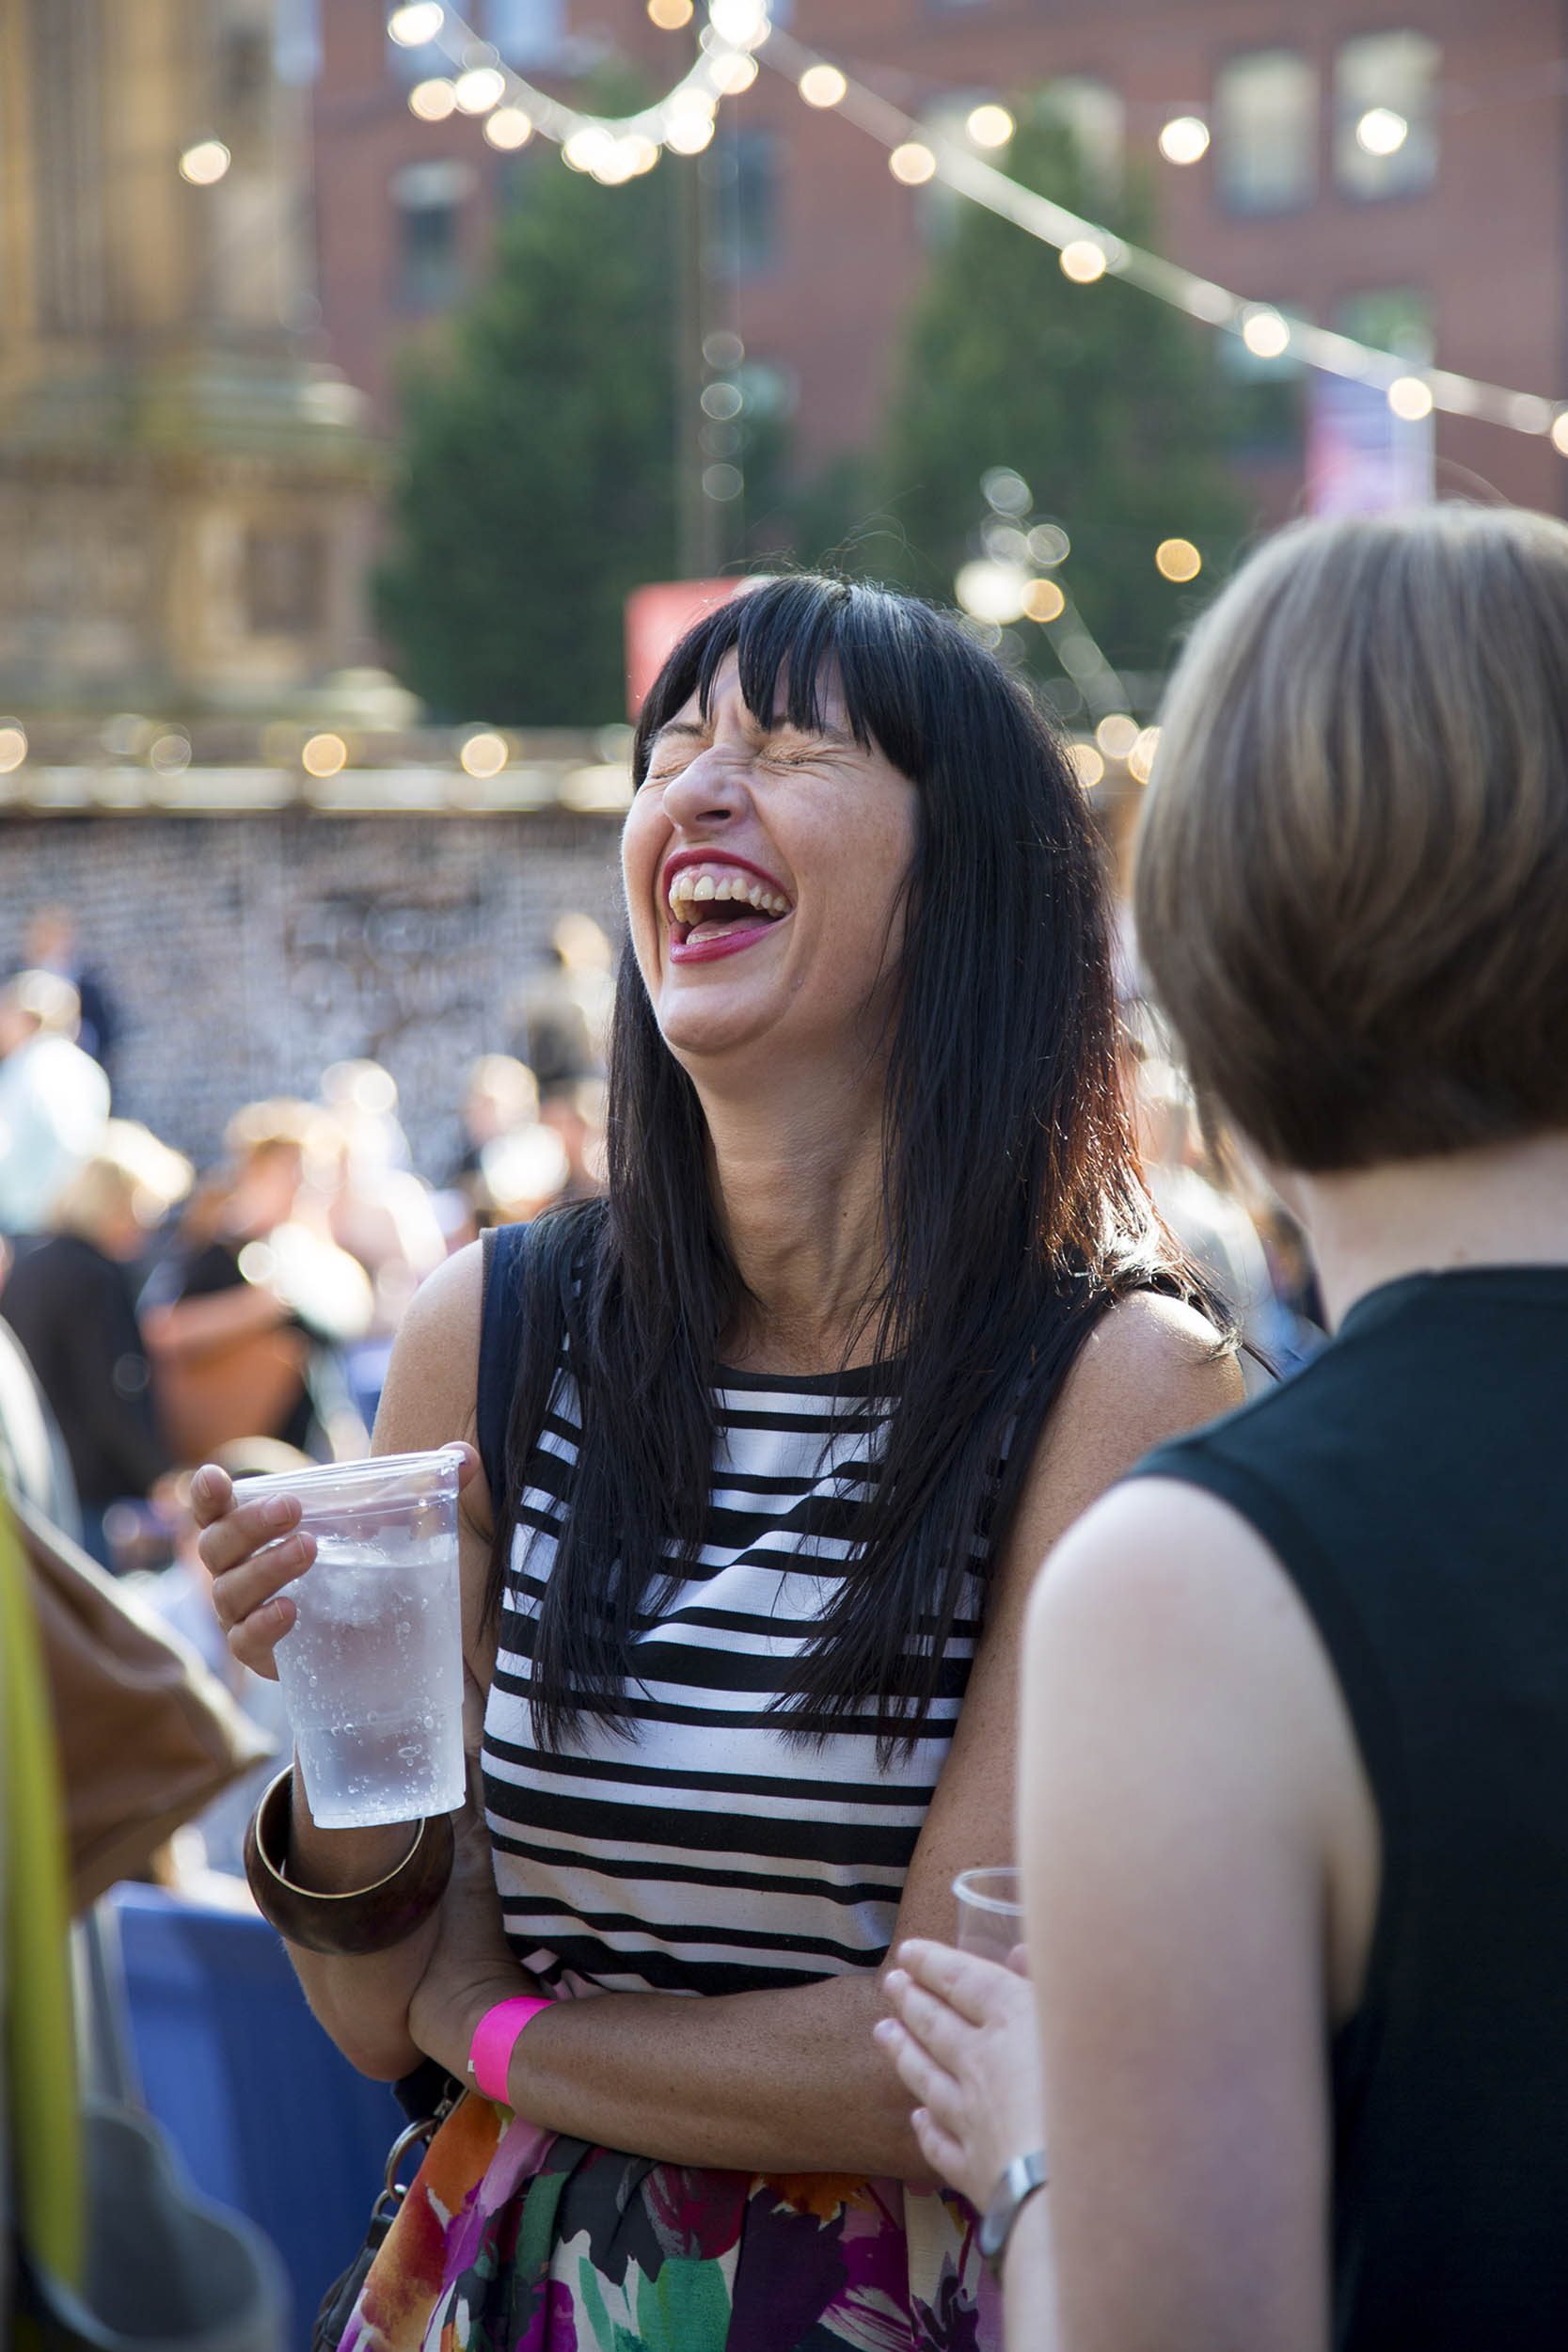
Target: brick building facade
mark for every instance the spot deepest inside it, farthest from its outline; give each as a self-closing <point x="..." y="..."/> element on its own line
<point x="248" y="952"/>
<point x="1460" y="234"/>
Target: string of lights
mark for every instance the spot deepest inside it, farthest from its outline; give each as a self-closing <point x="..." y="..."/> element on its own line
<point x="614" y="150"/>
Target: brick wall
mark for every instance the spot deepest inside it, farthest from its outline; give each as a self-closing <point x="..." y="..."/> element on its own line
<point x="249" y="952"/>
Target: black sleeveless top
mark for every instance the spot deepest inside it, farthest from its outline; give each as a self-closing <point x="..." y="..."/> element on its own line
<point x="1410" y="1482"/>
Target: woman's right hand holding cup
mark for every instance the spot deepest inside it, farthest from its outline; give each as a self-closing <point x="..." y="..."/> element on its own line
<point x="251" y="1550"/>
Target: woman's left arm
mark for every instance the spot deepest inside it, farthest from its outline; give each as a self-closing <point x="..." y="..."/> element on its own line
<point x="791" y="2081"/>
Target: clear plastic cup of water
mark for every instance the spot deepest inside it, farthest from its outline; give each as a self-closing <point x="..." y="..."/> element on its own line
<point x="371" y="1667"/>
<point x="991" y="1911"/>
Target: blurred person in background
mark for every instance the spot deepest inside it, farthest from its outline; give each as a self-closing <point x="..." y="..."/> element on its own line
<point x="54" y="1097"/>
<point x="53" y="946"/>
<point x="564" y="1021"/>
<point x="71" y="1301"/>
<point x="246" y="1318"/>
<point x="379" y="1210"/>
<point x="1211" y="1223"/>
<point x="1296" y="1694"/>
<point x="512" y="1165"/>
<point x="579" y="1114"/>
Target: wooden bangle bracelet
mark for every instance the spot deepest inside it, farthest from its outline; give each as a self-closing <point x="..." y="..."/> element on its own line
<point x="363" y="1919"/>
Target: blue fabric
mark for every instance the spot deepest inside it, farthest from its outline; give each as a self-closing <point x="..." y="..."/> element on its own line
<point x="268" y="2116"/>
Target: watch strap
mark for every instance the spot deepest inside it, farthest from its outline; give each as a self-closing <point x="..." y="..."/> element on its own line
<point x="1016" y="2185"/>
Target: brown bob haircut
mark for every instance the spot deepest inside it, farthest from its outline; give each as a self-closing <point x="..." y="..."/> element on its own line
<point x="1352" y="878"/>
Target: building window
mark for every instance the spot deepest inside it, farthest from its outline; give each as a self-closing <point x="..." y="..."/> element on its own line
<point x="526" y="32"/>
<point x="429" y="199"/>
<point x="1384" y="115"/>
<point x="283" y="582"/>
<point x="1266" y="131"/>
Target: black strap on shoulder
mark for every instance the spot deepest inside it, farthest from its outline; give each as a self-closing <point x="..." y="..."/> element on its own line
<point x="506" y="1248"/>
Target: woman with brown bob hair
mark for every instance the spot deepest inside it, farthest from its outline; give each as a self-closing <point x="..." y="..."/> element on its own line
<point x="1296" y="1694"/>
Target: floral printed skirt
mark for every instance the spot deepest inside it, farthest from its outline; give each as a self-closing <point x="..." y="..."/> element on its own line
<point x="512" y="2239"/>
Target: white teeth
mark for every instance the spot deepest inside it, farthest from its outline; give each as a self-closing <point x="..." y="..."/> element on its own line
<point x="688" y="890"/>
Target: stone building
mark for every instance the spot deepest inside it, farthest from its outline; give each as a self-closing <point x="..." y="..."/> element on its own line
<point x="184" y="495"/>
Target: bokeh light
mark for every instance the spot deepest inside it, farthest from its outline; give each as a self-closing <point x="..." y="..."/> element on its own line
<point x="688" y="132"/>
<point x="1005" y="490"/>
<point x="1086" y="761"/>
<point x="822" y="86"/>
<point x="990" y="126"/>
<point x="479" y="90"/>
<point x="722" y="482"/>
<point x="323" y="754"/>
<point x="1049" y="543"/>
<point x="170" y="752"/>
<point x="721" y="402"/>
<point x="1177" y="560"/>
<point x="991" y="592"/>
<point x="1266" y="335"/>
<point x="1184" y="139"/>
<point x="419" y="22"/>
<point x="744" y="23"/>
<point x="1381" y="131"/>
<point x="1116" y="734"/>
<point x="483" y="755"/>
<point x="590" y="149"/>
<point x="432" y="100"/>
<point x="1043" y="601"/>
<point x="670" y="15"/>
<point x="1140" y="759"/>
<point x="508" y="128"/>
<point x="1410" y="399"/>
<point x="1083" y="261"/>
<point x="1559" y="431"/>
<point x="205" y="163"/>
<point x="733" y="70"/>
<point x="912" y="163"/>
<point x="14" y="746"/>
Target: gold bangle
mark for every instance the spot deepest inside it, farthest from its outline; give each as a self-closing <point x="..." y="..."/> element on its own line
<point x="362" y="1919"/>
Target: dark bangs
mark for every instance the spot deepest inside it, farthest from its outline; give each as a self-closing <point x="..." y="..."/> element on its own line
<point x="875" y="644"/>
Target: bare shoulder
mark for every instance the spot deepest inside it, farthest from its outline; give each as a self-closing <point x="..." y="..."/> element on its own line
<point x="1159" y="1361"/>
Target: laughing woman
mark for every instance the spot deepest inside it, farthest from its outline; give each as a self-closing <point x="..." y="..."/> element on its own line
<point x="773" y="1443"/>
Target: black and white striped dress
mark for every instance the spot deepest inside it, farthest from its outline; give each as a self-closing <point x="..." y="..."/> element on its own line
<point x="712" y="1851"/>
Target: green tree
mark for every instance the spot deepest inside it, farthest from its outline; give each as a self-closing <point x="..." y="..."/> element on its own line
<point x="537" y="478"/>
<point x="1109" y="404"/>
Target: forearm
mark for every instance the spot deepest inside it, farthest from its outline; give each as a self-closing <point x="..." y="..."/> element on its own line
<point x="762" y="2082"/>
<point x="362" y="2004"/>
<point x="1029" y="2283"/>
<point x="190" y="1327"/>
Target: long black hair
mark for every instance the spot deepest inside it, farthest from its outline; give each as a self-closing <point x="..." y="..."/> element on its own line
<point x="1013" y="1205"/>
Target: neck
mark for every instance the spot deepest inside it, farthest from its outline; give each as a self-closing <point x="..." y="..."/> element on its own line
<point x="798" y="1179"/>
<point x="1506" y="1205"/>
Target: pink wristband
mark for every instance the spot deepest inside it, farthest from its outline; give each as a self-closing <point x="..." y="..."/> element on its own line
<point x="496" y="2038"/>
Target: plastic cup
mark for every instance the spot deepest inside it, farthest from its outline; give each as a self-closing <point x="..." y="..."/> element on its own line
<point x="991" y="1911"/>
<point x="371" y="1668"/>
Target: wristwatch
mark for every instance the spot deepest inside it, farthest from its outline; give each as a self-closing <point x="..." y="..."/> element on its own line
<point x="1009" y="2197"/>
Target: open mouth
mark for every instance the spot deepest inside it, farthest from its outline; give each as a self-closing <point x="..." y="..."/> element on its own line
<point x="719" y="902"/>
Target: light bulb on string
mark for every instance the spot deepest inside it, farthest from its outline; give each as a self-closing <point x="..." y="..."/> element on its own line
<point x="588" y="148"/>
<point x="741" y="23"/>
<point x="420" y="21"/>
<point x="1083" y="261"/>
<point x="733" y="70"/>
<point x="1265" y="333"/>
<point x="670" y="15"/>
<point x="432" y="100"/>
<point x="822" y="86"/>
<point x="479" y="90"/>
<point x="508" y="128"/>
<point x="1559" y="431"/>
<point x="688" y="129"/>
<point x="912" y="163"/>
<point x="1043" y="601"/>
<point x="1410" y="399"/>
<point x="1177" y="560"/>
